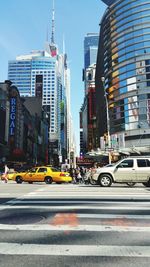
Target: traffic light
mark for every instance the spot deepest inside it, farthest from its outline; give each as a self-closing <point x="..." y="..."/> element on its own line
<point x="105" y="137"/>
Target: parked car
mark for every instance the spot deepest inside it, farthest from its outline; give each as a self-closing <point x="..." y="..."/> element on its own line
<point x="129" y="170"/>
<point x="42" y="174"/>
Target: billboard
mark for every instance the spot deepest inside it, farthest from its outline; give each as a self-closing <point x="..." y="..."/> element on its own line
<point x="121" y="140"/>
<point x="12" y="118"/>
<point x="148" y="110"/>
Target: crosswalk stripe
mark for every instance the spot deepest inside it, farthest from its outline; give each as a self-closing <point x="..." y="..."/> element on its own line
<point x="72" y="207"/>
<point x="78" y="202"/>
<point x="113" y="216"/>
<point x="68" y="228"/>
<point x="104" y="209"/>
<point x="74" y="250"/>
<point x="94" y="195"/>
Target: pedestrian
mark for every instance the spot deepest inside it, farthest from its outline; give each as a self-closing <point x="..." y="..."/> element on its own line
<point x="76" y="172"/>
<point x="72" y="174"/>
<point x="5" y="174"/>
<point x="79" y="177"/>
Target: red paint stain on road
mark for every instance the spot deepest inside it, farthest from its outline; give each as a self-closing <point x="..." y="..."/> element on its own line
<point x="70" y="220"/>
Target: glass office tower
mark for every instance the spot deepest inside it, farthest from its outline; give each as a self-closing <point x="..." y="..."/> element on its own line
<point x="90" y="49"/>
<point x="35" y="75"/>
<point x="124" y="62"/>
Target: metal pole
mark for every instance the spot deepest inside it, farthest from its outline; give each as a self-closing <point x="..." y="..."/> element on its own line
<point x="108" y="120"/>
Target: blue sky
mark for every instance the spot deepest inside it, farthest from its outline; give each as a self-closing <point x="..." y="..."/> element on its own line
<point x="24" y="26"/>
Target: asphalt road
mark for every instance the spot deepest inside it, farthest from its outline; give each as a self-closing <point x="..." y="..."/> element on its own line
<point x="74" y="225"/>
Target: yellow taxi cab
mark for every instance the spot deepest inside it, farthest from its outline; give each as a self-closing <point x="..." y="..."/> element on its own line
<point x="10" y="175"/>
<point x="42" y="174"/>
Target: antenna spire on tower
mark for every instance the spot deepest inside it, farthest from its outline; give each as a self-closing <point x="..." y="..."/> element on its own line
<point x="53" y="25"/>
<point x="53" y="47"/>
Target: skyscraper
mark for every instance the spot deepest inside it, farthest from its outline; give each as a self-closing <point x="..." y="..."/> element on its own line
<point x="45" y="74"/>
<point x="124" y="63"/>
<point x="90" y="49"/>
<point x="87" y="112"/>
<point x="36" y="75"/>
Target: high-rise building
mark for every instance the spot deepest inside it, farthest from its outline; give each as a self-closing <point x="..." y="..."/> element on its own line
<point x="36" y="75"/>
<point x="123" y="74"/>
<point x="45" y="74"/>
<point x="90" y="49"/>
<point x="87" y="112"/>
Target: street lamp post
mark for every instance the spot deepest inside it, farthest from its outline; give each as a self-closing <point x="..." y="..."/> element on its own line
<point x="108" y="120"/>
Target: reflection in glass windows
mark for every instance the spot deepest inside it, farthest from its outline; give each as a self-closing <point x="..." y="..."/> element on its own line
<point x="125" y="32"/>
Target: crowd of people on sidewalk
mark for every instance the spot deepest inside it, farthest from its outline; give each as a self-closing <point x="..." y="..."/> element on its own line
<point x="81" y="174"/>
<point x="77" y="174"/>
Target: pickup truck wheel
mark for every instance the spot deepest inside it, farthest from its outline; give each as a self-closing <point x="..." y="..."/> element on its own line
<point x="48" y="180"/>
<point x="19" y="180"/>
<point x="147" y="184"/>
<point x="105" y="180"/>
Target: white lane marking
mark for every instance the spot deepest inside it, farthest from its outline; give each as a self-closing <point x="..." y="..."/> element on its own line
<point x="81" y="227"/>
<point x="82" y="194"/>
<point x="72" y="207"/>
<point x="74" y="250"/>
<point x="113" y="216"/>
<point x="6" y="194"/>
<point x="141" y="204"/>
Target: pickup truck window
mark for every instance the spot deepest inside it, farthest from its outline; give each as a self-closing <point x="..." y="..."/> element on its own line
<point x="143" y="163"/>
<point x="126" y="164"/>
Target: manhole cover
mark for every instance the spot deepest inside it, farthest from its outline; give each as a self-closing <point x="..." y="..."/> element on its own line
<point x="21" y="219"/>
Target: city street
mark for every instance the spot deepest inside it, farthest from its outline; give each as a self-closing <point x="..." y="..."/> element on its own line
<point x="74" y="225"/>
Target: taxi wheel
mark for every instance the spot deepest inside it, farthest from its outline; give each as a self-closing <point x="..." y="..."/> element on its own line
<point x="48" y="180"/>
<point x="19" y="180"/>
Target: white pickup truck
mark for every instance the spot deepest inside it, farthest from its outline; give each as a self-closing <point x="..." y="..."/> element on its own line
<point x="129" y="170"/>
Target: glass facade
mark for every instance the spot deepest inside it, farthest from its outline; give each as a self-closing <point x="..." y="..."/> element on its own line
<point x="90" y="49"/>
<point x="125" y="31"/>
<point x="37" y="77"/>
<point x="19" y="72"/>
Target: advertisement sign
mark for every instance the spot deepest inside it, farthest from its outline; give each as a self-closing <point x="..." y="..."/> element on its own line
<point x="12" y="120"/>
<point x="148" y="110"/>
<point x="114" y="141"/>
<point x="133" y="113"/>
<point x="121" y="140"/>
<point x="102" y="143"/>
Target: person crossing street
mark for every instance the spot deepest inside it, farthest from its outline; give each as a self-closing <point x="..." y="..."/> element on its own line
<point x="5" y="174"/>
